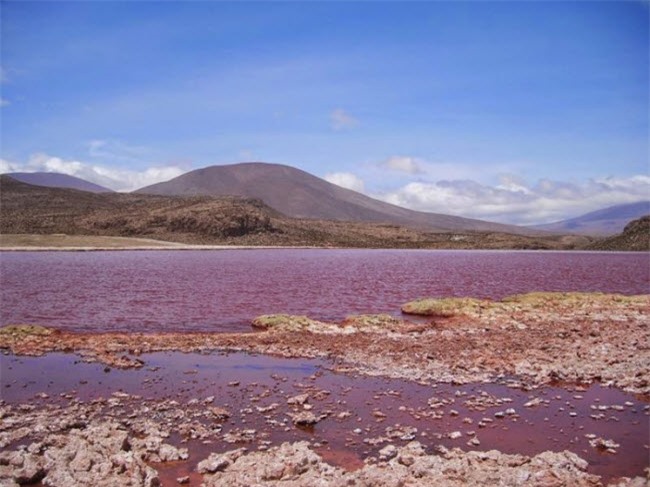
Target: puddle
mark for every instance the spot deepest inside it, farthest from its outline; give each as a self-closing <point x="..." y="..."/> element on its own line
<point x="362" y="412"/>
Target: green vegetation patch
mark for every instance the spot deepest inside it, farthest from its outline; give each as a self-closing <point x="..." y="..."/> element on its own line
<point x="443" y="307"/>
<point x="26" y="330"/>
<point x="285" y="322"/>
<point x="371" y="321"/>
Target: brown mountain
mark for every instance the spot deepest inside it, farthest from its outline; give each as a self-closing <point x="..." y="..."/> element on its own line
<point x="635" y="236"/>
<point x="58" y="180"/>
<point x="299" y="194"/>
<point x="28" y="209"/>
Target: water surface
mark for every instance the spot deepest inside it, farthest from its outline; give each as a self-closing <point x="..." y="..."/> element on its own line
<point x="155" y="291"/>
<point x="560" y="422"/>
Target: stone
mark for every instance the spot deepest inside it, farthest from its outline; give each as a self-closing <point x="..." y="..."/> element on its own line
<point x="388" y="452"/>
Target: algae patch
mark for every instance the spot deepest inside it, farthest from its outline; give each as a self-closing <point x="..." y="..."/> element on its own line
<point x="285" y="322"/>
<point x="26" y="330"/>
<point x="444" y="307"/>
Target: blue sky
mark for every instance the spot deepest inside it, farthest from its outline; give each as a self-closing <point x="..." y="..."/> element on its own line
<point x="511" y="111"/>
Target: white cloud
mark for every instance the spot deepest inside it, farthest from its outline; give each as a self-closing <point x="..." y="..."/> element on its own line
<point x="409" y="165"/>
<point x="346" y="180"/>
<point x="8" y="166"/>
<point x="118" y="179"/>
<point x="4" y="102"/>
<point x="515" y="201"/>
<point x="341" y="120"/>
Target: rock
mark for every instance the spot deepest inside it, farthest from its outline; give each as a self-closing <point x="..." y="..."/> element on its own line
<point x="388" y="452"/>
<point x="602" y="444"/>
<point x="219" y="413"/>
<point x="99" y="454"/>
<point x="454" y="435"/>
<point x="299" y="399"/>
<point x="306" y="418"/>
<point x="214" y="463"/>
<point x="291" y="464"/>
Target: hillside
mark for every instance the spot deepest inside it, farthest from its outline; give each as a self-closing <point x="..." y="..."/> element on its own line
<point x="57" y="180"/>
<point x="28" y="209"/>
<point x="635" y="236"/>
<point x="606" y="221"/>
<point x="299" y="194"/>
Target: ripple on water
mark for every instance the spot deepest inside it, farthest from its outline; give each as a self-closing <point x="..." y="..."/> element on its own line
<point x="163" y="291"/>
<point x="561" y="418"/>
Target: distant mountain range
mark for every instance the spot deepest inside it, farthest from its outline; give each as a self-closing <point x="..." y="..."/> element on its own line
<point x="57" y="180"/>
<point x="607" y="221"/>
<point x="40" y="210"/>
<point x="298" y="194"/>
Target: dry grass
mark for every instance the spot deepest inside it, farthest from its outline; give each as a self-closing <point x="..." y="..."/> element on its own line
<point x="79" y="241"/>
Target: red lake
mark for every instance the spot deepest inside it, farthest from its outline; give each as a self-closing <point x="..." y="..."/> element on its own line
<point x="221" y="291"/>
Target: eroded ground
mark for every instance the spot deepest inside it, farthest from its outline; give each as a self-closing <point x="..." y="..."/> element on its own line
<point x="521" y="376"/>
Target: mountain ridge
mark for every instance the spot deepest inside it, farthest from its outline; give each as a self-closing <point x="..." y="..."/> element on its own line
<point x="37" y="210"/>
<point x="58" y="180"/>
<point x="299" y="194"/>
<point x="606" y="221"/>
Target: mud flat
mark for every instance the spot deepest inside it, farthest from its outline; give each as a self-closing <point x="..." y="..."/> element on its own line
<point x="540" y="389"/>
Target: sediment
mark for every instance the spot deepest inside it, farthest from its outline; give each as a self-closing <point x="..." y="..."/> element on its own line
<point x="527" y="341"/>
<point x="540" y="338"/>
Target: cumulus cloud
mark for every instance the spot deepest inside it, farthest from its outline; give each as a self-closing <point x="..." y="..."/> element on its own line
<point x="409" y="165"/>
<point x="341" y="120"/>
<point x="515" y="201"/>
<point x="118" y="179"/>
<point x="346" y="180"/>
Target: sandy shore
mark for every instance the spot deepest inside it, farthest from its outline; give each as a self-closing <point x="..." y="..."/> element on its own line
<point x="87" y="243"/>
<point x="525" y="342"/>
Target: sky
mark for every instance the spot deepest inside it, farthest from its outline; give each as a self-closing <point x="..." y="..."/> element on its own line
<point x="512" y="111"/>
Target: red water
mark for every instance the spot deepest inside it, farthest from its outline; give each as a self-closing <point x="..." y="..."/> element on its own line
<point x="560" y="422"/>
<point x="223" y="290"/>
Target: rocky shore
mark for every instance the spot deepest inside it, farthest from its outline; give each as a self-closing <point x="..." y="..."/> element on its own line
<point x="525" y="342"/>
<point x="539" y="338"/>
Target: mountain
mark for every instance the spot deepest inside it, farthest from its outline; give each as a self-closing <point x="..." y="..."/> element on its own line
<point x="58" y="180"/>
<point x="606" y="221"/>
<point x="299" y="194"/>
<point x="28" y="209"/>
<point x="635" y="236"/>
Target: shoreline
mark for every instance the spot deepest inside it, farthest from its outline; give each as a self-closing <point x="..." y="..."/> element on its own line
<point x="97" y="243"/>
<point x="542" y="337"/>
<point x="396" y="401"/>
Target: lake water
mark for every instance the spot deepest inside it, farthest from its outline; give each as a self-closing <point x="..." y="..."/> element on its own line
<point x="153" y="291"/>
<point x="560" y="422"/>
